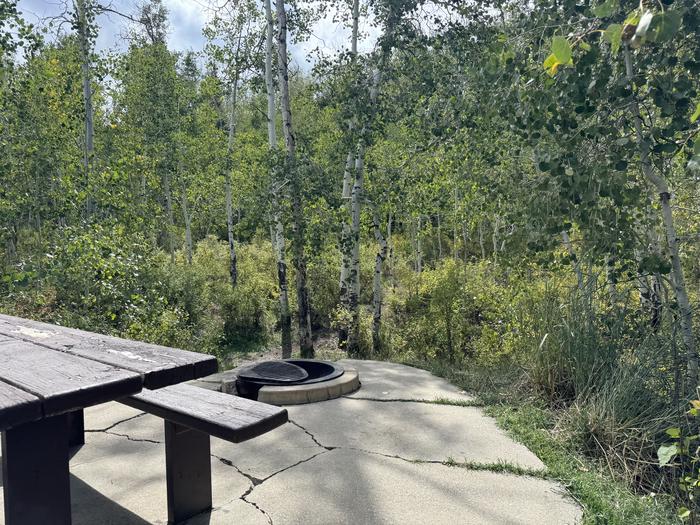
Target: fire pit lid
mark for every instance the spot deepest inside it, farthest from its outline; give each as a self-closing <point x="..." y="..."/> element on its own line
<point x="280" y="372"/>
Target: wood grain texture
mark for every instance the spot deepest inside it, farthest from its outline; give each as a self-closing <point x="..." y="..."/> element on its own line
<point x="159" y="365"/>
<point x="221" y="415"/>
<point x="17" y="406"/>
<point x="63" y="382"/>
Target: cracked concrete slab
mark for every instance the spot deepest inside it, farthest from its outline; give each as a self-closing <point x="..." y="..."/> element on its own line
<point x="237" y="511"/>
<point x="269" y="453"/>
<point x="130" y="478"/>
<point x="115" y="481"/>
<point x="333" y="464"/>
<point x="387" y="381"/>
<point x="416" y="431"/>
<point x="107" y="415"/>
<point x="360" y="487"/>
<point x="259" y="457"/>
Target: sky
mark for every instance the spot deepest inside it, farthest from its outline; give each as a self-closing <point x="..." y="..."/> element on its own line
<point x="188" y="17"/>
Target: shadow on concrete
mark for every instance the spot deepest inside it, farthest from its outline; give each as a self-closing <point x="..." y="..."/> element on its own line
<point x="90" y="506"/>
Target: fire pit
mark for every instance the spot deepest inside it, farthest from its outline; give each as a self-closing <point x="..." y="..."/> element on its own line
<point x="295" y="381"/>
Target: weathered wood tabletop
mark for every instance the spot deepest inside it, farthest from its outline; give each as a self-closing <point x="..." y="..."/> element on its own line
<point x="48" y="374"/>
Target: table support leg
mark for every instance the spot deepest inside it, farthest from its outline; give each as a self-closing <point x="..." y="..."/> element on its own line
<point x="76" y="428"/>
<point x="36" y="481"/>
<point x="188" y="472"/>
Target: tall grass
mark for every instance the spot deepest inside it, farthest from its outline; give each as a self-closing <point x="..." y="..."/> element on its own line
<point x="611" y="376"/>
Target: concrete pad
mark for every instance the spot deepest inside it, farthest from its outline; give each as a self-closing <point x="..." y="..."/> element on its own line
<point x="130" y="478"/>
<point x="421" y="431"/>
<point x="103" y="416"/>
<point x="263" y="456"/>
<point x="115" y="481"/>
<point x="359" y="487"/>
<point x="236" y="512"/>
<point x="386" y="381"/>
<point x="259" y="457"/>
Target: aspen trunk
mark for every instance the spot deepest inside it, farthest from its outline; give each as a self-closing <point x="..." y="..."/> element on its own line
<point x="228" y="168"/>
<point x="377" y="285"/>
<point x="89" y="151"/>
<point x="390" y="245"/>
<point x="346" y="246"/>
<point x="677" y="277"/>
<point x="455" y="241"/>
<point x="465" y="240"/>
<point x="419" y="246"/>
<point x="346" y="235"/>
<point x="188" y="224"/>
<point x="353" y="343"/>
<point x="304" y="314"/>
<point x="277" y="226"/>
<point x="494" y="237"/>
<point x="170" y="215"/>
<point x="481" y="241"/>
<point x="233" y="257"/>
<point x="439" y="236"/>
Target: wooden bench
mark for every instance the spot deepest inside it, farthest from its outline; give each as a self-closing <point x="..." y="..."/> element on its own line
<point x="191" y="415"/>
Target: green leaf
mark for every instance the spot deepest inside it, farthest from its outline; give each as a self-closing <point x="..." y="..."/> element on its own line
<point x="613" y="35"/>
<point x="664" y="26"/>
<point x="551" y="64"/>
<point x="666" y="453"/>
<point x="674" y="432"/>
<point x="561" y="49"/>
<point x="607" y="8"/>
<point x="585" y="46"/>
<point x="683" y="513"/>
<point x="695" y="116"/>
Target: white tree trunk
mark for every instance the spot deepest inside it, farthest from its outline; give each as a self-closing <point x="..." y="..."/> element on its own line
<point x="677" y="277"/>
<point x="346" y="234"/>
<point x="481" y="241"/>
<point x="304" y="314"/>
<point x="276" y="225"/>
<point x="439" y="234"/>
<point x="377" y="285"/>
<point x="188" y="224"/>
<point x="419" y="245"/>
<point x="169" y="212"/>
<point x="87" y="97"/>
<point x="346" y="242"/>
<point x="233" y="257"/>
<point x="354" y="273"/>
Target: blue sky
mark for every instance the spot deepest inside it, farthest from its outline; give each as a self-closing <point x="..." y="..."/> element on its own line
<point x="187" y="17"/>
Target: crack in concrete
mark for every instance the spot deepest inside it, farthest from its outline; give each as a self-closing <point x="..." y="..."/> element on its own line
<point x="439" y="401"/>
<point x="115" y="424"/>
<point x="136" y="440"/>
<point x="258" y="507"/>
<point x="313" y="438"/>
<point x="253" y="480"/>
<point x="499" y="467"/>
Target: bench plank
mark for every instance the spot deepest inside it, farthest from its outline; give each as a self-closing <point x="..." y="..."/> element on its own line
<point x="17" y="406"/>
<point x="63" y="382"/>
<point x="231" y="418"/>
<point x="159" y="365"/>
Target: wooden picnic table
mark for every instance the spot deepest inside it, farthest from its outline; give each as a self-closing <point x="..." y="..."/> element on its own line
<point x="49" y="372"/>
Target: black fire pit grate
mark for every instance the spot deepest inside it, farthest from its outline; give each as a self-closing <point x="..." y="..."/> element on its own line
<point x="274" y="372"/>
<point x="288" y="373"/>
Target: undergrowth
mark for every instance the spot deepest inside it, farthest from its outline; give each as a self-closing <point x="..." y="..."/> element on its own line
<point x="605" y="497"/>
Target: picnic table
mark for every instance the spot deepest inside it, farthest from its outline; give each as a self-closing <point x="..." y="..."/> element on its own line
<point x="49" y="373"/>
